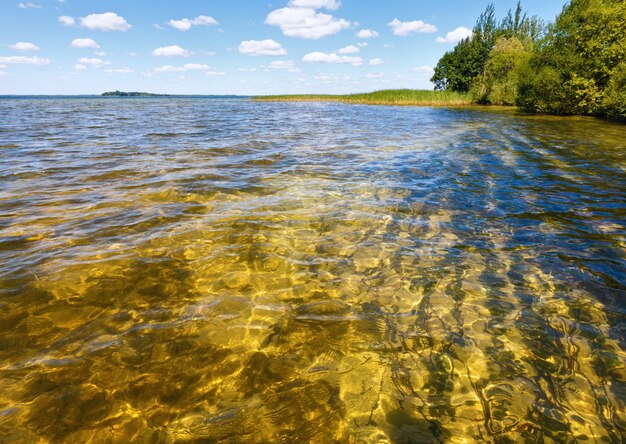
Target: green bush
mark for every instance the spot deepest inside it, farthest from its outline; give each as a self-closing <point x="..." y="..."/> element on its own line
<point x="575" y="70"/>
<point x="542" y="91"/>
<point x="614" y="104"/>
<point x="499" y="84"/>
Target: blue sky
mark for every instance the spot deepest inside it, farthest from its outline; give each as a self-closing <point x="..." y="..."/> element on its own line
<point x="231" y="47"/>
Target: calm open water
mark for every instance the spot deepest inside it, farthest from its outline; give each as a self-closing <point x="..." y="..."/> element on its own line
<point x="179" y="270"/>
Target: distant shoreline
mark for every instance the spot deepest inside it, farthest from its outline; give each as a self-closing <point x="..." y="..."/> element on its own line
<point x="131" y="94"/>
<point x="101" y="96"/>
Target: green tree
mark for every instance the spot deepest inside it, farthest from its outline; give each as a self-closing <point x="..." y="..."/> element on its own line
<point x="575" y="66"/>
<point x="500" y="82"/>
<point x="579" y="58"/>
<point x="463" y="68"/>
<point x="518" y="24"/>
<point x="458" y="68"/>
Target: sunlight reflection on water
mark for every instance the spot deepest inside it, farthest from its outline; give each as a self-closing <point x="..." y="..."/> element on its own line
<point x="224" y="270"/>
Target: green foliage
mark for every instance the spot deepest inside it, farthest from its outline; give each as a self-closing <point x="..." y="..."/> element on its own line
<point x="541" y="91"/>
<point x="545" y="91"/>
<point x="614" y="103"/>
<point x="500" y="81"/>
<point x="464" y="66"/>
<point x="519" y="25"/>
<point x="575" y="66"/>
<point x="457" y="68"/>
<point x="573" y="70"/>
<point x="584" y="96"/>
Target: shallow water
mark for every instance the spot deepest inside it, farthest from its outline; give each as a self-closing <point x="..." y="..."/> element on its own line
<point x="177" y="270"/>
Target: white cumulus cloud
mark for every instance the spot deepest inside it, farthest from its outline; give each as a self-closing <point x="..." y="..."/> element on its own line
<point x="366" y="34"/>
<point x="455" y="36"/>
<point x="29" y="5"/>
<point x="96" y="63"/>
<point x="322" y="57"/>
<point x="171" y="51"/>
<point x="316" y="4"/>
<point x="186" y="24"/>
<point x="350" y="49"/>
<point x="80" y="67"/>
<point x="109" y="21"/>
<point x="22" y="60"/>
<point x="123" y="70"/>
<point x="306" y="23"/>
<point x="66" y="20"/>
<point x="196" y="67"/>
<point x="424" y="70"/>
<point x="181" y="25"/>
<point x="184" y="68"/>
<point x="284" y="65"/>
<point x="261" y="48"/>
<point x="416" y="26"/>
<point x="376" y="62"/>
<point x="423" y="76"/>
<point x="215" y="74"/>
<point x="169" y="68"/>
<point x="204" y="20"/>
<point x="84" y="43"/>
<point x="25" y="46"/>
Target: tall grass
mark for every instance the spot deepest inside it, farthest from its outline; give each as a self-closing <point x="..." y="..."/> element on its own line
<point x="387" y="97"/>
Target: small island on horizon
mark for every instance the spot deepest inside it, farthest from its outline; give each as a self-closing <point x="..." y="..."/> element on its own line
<point x="131" y="94"/>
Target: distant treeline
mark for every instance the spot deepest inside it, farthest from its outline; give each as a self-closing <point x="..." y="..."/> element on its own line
<point x="130" y="94"/>
<point x="576" y="65"/>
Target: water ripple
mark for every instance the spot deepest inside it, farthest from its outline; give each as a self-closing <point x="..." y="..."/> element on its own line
<point x="175" y="270"/>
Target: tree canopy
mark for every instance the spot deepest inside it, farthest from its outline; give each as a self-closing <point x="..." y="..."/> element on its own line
<point x="577" y="65"/>
<point x="458" y="69"/>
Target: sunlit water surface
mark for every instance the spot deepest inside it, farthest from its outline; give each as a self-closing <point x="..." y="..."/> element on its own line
<point x="177" y="270"/>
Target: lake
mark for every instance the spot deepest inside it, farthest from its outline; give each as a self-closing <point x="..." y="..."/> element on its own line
<point x="212" y="270"/>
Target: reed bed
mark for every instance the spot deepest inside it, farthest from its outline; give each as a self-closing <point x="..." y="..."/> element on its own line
<point x="399" y="97"/>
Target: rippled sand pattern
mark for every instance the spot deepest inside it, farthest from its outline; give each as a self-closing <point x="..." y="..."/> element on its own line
<point x="193" y="270"/>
